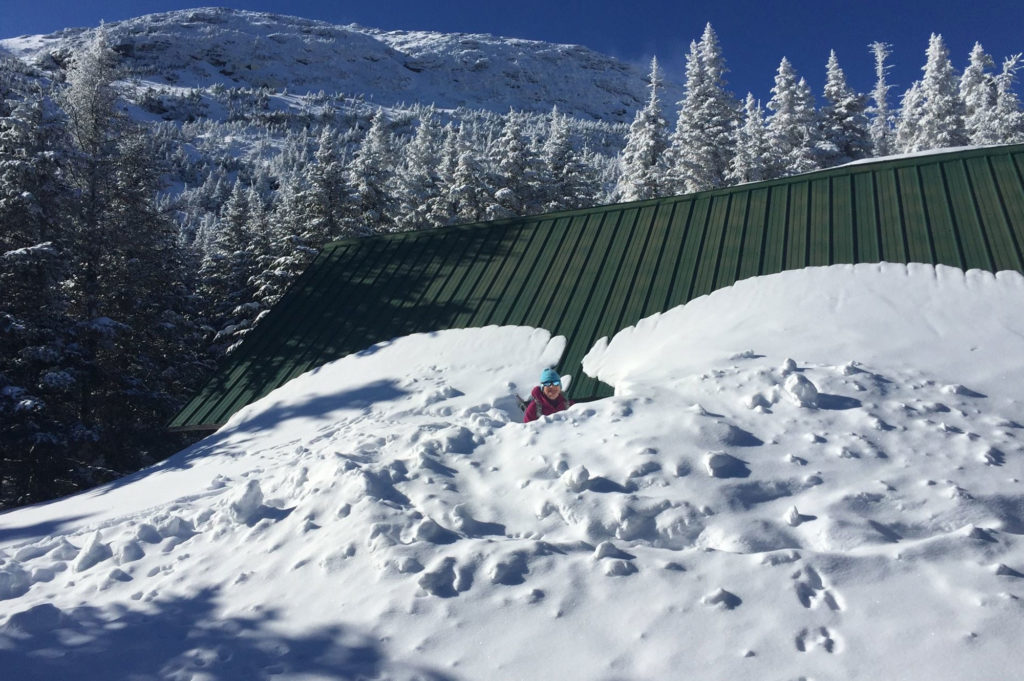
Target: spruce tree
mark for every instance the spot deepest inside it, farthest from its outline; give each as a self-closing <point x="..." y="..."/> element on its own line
<point x="881" y="128"/>
<point x="440" y="209"/>
<point x="418" y="179"/>
<point x="370" y="175"/>
<point x="936" y="118"/>
<point x="511" y="175"/>
<point x="978" y="92"/>
<point x="751" y="161"/>
<point x="130" y="300"/>
<point x="908" y="123"/>
<point x="468" y="193"/>
<point x="1009" y="118"/>
<point x="227" y="269"/>
<point x="646" y="142"/>
<point x="700" y="147"/>
<point x="327" y="200"/>
<point x="793" y="132"/>
<point x="561" y="169"/>
<point x="844" y="125"/>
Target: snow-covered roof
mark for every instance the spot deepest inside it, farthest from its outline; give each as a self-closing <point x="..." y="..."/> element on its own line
<point x="587" y="274"/>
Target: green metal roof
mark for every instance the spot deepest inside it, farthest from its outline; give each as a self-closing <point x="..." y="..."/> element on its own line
<point x="588" y="273"/>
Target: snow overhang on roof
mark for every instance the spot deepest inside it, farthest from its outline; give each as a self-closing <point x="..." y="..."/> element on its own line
<point x="588" y="273"/>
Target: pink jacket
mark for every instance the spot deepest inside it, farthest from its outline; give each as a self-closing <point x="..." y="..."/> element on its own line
<point x="537" y="397"/>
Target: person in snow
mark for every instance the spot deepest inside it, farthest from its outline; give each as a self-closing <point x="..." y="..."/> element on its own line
<point x="546" y="398"/>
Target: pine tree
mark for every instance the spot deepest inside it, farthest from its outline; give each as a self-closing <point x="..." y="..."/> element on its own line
<point x="991" y="107"/>
<point x="646" y="142"/>
<point x="844" y="125"/>
<point x="752" y="159"/>
<point x="38" y="370"/>
<point x="30" y="178"/>
<point x="700" y="147"/>
<point x="881" y="126"/>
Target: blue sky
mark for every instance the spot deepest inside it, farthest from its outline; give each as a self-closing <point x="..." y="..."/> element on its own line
<point x="755" y="34"/>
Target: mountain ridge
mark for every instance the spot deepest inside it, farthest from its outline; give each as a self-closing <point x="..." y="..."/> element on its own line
<point x="238" y="48"/>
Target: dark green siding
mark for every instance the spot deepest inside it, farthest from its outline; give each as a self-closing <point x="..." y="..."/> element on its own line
<point x="589" y="273"/>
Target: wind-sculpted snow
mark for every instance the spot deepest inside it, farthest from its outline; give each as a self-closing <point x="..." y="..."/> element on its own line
<point x="751" y="504"/>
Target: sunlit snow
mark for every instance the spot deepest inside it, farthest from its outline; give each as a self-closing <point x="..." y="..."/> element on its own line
<point x="811" y="475"/>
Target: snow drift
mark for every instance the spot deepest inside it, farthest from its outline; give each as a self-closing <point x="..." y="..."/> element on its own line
<point x="810" y="475"/>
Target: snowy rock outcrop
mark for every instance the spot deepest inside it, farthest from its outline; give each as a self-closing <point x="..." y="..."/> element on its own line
<point x="200" y="47"/>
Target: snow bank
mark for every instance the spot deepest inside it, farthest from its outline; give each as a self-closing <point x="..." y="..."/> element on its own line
<point x="810" y="475"/>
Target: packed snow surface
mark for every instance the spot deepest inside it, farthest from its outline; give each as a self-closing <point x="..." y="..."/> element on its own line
<point x="812" y="475"/>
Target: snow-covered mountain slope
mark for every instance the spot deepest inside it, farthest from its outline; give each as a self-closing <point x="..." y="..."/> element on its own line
<point x="198" y="48"/>
<point x="812" y="475"/>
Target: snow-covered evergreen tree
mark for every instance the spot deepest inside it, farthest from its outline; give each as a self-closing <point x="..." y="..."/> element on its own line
<point x="751" y="161"/>
<point x="642" y="174"/>
<point x="991" y="106"/>
<point x="418" y="179"/>
<point x="561" y="173"/>
<point x="978" y="92"/>
<point x="38" y="376"/>
<point x="37" y="365"/>
<point x="290" y="246"/>
<point x="908" y="123"/>
<point x="793" y="132"/>
<point x="882" y="132"/>
<point x="700" y="147"/>
<point x="936" y="119"/>
<point x="370" y="177"/>
<point x="1009" y="119"/>
<point x="468" y="194"/>
<point x="327" y="200"/>
<point x="440" y="209"/>
<point x="844" y="125"/>
<point x="228" y="268"/>
<point x="512" y="176"/>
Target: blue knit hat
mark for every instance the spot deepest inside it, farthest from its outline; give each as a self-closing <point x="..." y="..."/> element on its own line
<point x="550" y="376"/>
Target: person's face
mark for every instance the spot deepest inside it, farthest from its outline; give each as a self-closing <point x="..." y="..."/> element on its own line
<point x="552" y="390"/>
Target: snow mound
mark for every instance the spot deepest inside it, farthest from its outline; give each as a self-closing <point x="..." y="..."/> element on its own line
<point x="775" y="490"/>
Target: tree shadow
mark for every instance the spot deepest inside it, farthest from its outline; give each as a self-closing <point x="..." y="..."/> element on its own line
<point x="45" y="529"/>
<point x="182" y="638"/>
<point x="228" y="440"/>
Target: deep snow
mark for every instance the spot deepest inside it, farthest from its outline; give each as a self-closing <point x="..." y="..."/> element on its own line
<point x="811" y="475"/>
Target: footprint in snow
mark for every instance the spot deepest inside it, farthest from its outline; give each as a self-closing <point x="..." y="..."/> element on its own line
<point x="811" y="590"/>
<point x="819" y="637"/>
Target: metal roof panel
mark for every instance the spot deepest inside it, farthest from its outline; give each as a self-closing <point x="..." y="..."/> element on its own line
<point x="588" y="273"/>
